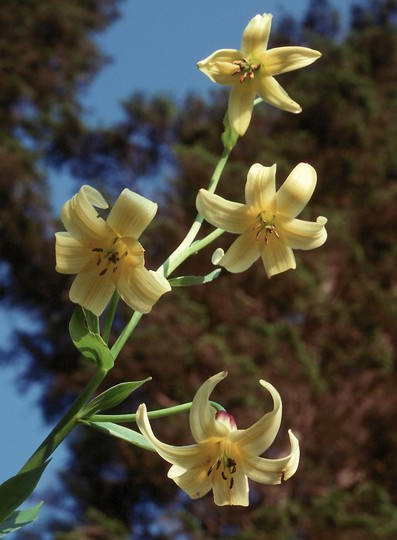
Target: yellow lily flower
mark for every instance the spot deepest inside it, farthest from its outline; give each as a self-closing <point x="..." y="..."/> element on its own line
<point x="224" y="457"/>
<point x="106" y="255"/>
<point x="251" y="71"/>
<point x="266" y="223"/>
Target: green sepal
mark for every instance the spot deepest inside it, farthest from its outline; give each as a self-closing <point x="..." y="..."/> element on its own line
<point x="19" y="519"/>
<point x="121" y="432"/>
<point x="89" y="342"/>
<point x="186" y="281"/>
<point x="111" y="397"/>
<point x="229" y="136"/>
<point x="15" y="490"/>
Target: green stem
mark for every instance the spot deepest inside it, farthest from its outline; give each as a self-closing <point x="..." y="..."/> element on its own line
<point x="110" y="316"/>
<point x="177" y="257"/>
<point x="65" y="425"/>
<point x="127" y="418"/>
<point x="125" y="334"/>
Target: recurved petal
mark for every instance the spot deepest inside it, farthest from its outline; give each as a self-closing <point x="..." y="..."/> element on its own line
<point x="277" y="256"/>
<point x="227" y="215"/>
<point x="256" y="439"/>
<point x="195" y="482"/>
<point x="141" y="288"/>
<point x="260" y="189"/>
<point x="296" y="191"/>
<point x="81" y="219"/>
<point x="219" y="66"/>
<point x="185" y="457"/>
<point x="91" y="290"/>
<point x="256" y="35"/>
<point x="242" y="253"/>
<point x="305" y="234"/>
<point x="237" y="495"/>
<point x="241" y="102"/>
<point x="272" y="92"/>
<point x="71" y="256"/>
<point x="272" y="471"/>
<point x="202" y="414"/>
<point x="131" y="214"/>
<point x="283" y="59"/>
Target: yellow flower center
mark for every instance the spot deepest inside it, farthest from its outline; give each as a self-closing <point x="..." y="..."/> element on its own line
<point x="247" y="67"/>
<point x="225" y="466"/>
<point x="110" y="257"/>
<point x="266" y="224"/>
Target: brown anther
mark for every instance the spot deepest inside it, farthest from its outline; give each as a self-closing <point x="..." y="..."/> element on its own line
<point x="98" y="250"/>
<point x="218" y="464"/>
<point x="103" y="272"/>
<point x="98" y="261"/>
<point x="224" y="476"/>
<point x="209" y="470"/>
<point x="231" y="483"/>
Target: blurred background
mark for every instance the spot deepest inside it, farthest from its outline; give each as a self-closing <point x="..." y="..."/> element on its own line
<point x="106" y="92"/>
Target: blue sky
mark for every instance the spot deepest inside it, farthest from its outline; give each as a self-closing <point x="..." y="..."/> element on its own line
<point x="155" y="46"/>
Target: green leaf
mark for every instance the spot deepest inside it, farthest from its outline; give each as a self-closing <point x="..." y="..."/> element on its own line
<point x="111" y="397"/>
<point x="121" y="432"/>
<point x="19" y="519"/>
<point x="92" y="321"/>
<point x="17" y="489"/>
<point x="89" y="343"/>
<point x="186" y="281"/>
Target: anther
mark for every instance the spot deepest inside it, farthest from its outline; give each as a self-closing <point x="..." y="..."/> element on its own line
<point x="98" y="250"/>
<point x="103" y="272"/>
<point x="224" y="476"/>
<point x="231" y="483"/>
<point x="209" y="470"/>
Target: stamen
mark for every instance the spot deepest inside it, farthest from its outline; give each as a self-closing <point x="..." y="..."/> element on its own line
<point x="231" y="483"/>
<point x="103" y="272"/>
<point x="224" y="476"/>
<point x="210" y="470"/>
<point x="98" y="250"/>
<point x="218" y="464"/>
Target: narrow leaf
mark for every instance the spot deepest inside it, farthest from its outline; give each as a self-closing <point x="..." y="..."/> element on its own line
<point x="111" y="397"/>
<point x="17" y="489"/>
<point x="90" y="344"/>
<point x="121" y="432"/>
<point x="19" y="519"/>
<point x="186" y="281"/>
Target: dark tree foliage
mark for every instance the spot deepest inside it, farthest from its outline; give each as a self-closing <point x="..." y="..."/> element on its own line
<point x="323" y="334"/>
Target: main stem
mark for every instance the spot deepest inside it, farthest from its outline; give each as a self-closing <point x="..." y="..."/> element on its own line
<point x="65" y="425"/>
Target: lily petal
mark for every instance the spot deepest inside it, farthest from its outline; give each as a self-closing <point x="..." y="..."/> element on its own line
<point x="227" y="215"/>
<point x="241" y="102"/>
<point x="272" y="92"/>
<point x="186" y="457"/>
<point x="305" y="234"/>
<point x="131" y="214"/>
<point x="260" y="189"/>
<point x="71" y="255"/>
<point x="277" y="257"/>
<point x="256" y="35"/>
<point x="256" y="439"/>
<point x="219" y="66"/>
<point x="296" y="191"/>
<point x="91" y="290"/>
<point x="284" y="59"/>
<point x="81" y="219"/>
<point x="238" y="495"/>
<point x="141" y="288"/>
<point x="202" y="414"/>
<point x="195" y="483"/>
<point x="272" y="471"/>
<point x="242" y="253"/>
